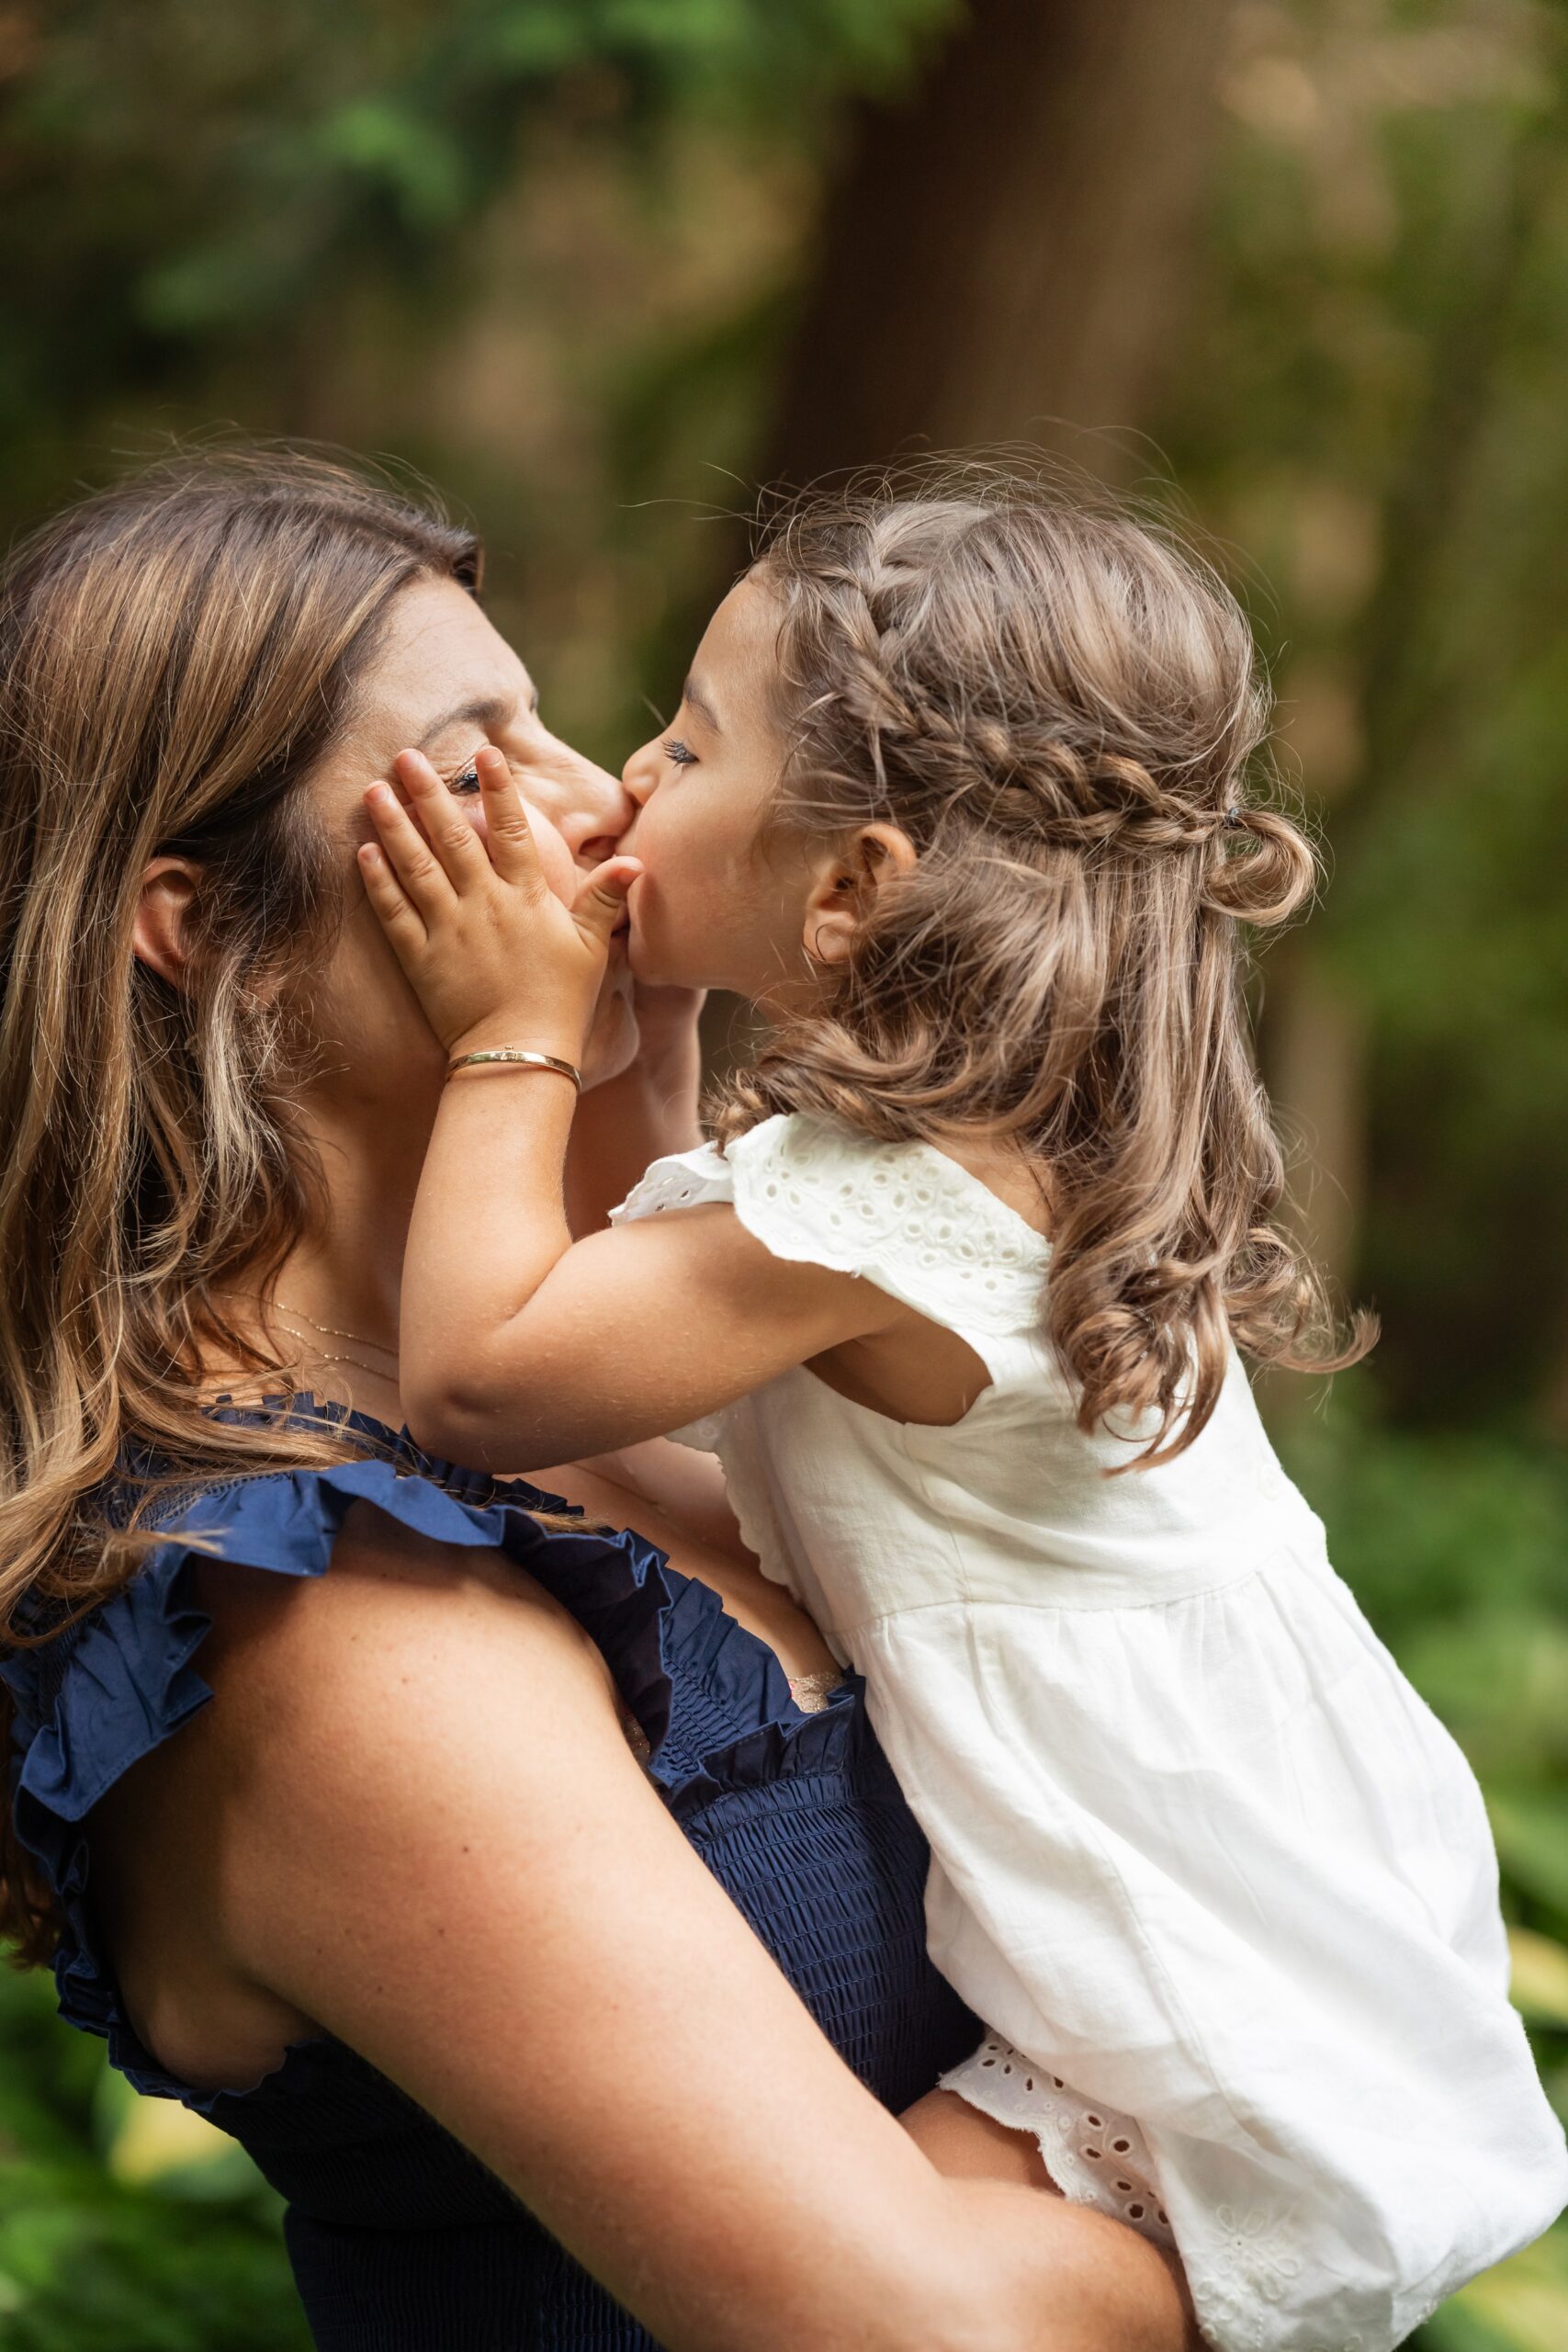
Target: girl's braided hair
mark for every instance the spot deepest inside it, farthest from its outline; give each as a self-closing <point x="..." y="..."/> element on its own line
<point x="1062" y="706"/>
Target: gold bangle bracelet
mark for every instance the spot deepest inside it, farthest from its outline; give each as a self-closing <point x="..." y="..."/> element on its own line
<point x="518" y="1057"/>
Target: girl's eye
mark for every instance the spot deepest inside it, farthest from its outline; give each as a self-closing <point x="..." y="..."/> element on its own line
<point x="681" y="755"/>
<point x="469" y="781"/>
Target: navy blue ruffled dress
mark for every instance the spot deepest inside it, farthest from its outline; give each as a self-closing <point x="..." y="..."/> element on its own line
<point x="400" y="2240"/>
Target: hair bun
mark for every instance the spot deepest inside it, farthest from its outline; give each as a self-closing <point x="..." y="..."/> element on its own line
<point x="1267" y="880"/>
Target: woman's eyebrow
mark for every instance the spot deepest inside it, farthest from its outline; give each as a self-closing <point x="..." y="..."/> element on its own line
<point x="490" y="712"/>
<point x="695" y="700"/>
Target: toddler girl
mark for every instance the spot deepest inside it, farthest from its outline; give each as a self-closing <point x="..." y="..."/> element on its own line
<point x="958" y="797"/>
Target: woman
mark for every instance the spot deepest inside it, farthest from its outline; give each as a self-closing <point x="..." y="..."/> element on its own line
<point x="457" y="1852"/>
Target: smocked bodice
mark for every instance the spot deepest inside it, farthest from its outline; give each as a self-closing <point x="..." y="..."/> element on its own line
<point x="401" y="2241"/>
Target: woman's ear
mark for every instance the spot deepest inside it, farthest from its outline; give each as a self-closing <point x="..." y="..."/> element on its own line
<point x="161" y="938"/>
<point x="845" y="890"/>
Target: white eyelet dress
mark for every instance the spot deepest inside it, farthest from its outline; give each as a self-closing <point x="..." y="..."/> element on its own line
<point x="1221" y="1884"/>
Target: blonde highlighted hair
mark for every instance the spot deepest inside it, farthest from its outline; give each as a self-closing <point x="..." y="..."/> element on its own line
<point x="177" y="655"/>
<point x="1063" y="708"/>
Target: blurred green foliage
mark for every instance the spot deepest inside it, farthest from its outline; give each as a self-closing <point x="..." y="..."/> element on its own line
<point x="1374" y="428"/>
<point x="551" y="250"/>
<point x="125" y="2225"/>
<point x="178" y="178"/>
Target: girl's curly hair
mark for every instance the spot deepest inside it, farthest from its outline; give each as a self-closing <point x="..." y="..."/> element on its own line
<point x="1062" y="706"/>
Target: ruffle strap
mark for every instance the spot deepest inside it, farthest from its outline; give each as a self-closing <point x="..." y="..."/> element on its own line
<point x="777" y="1740"/>
<point x="113" y="1687"/>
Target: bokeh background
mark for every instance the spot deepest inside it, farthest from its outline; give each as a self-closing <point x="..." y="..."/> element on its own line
<point x="602" y="267"/>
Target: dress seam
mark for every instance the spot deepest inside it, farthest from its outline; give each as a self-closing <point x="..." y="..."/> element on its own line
<point x="1069" y="1608"/>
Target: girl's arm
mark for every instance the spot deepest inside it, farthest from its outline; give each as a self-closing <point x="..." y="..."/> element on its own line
<point x="590" y="1348"/>
<point x="519" y="1349"/>
<point x="478" y="1891"/>
<point x="650" y="1109"/>
<point x="622" y="1126"/>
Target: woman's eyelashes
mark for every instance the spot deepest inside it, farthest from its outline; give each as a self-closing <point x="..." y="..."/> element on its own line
<point x="467" y="779"/>
<point x="680" y="753"/>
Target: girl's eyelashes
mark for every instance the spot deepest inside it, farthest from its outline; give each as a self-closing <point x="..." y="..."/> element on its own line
<point x="682" y="756"/>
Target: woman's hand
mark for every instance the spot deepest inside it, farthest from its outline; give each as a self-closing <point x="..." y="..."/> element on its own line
<point x="493" y="955"/>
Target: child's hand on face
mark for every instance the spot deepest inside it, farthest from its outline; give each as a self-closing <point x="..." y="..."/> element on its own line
<point x="493" y="955"/>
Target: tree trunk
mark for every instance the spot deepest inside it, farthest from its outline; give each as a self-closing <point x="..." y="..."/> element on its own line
<point x="1001" y="255"/>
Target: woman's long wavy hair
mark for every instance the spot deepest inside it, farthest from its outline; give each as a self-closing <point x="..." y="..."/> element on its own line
<point x="177" y="654"/>
<point x="1062" y="708"/>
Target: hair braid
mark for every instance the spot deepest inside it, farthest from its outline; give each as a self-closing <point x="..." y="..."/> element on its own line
<point x="1062" y="709"/>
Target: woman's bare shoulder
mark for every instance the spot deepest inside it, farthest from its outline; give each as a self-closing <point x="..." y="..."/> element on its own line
<point x="338" y="1702"/>
<point x="406" y="1638"/>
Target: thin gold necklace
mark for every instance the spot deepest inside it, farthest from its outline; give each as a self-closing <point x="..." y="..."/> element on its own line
<point x="331" y="1331"/>
<point x="373" y="1370"/>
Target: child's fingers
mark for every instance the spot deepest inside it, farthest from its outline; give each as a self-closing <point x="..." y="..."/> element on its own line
<point x="420" y="871"/>
<point x="396" y="913"/>
<point x="511" y="838"/>
<point x="601" y="901"/>
<point x="442" y="820"/>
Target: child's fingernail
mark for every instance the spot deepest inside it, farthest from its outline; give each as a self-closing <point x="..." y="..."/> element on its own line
<point x="381" y="796"/>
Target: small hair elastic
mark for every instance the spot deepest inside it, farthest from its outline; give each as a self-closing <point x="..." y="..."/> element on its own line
<point x="518" y="1057"/>
<point x="1233" y="820"/>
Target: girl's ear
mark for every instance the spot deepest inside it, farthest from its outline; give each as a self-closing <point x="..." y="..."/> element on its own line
<point x="845" y="890"/>
<point x="160" y="937"/>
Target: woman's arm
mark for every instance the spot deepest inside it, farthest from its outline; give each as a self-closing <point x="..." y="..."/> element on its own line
<point x="476" y="1888"/>
<point x="683" y="1486"/>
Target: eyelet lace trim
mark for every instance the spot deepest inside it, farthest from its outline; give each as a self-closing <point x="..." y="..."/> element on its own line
<point x="902" y="1212"/>
<point x="1248" y="2271"/>
<point x="1094" y="2155"/>
<point x="1248" y="2278"/>
<point x="1246" y="2268"/>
